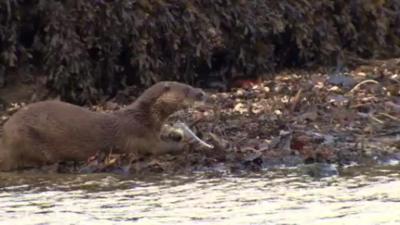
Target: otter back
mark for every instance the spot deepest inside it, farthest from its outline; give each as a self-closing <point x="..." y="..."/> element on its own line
<point x="52" y="131"/>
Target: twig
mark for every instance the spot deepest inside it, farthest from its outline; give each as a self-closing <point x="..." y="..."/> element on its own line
<point x="361" y="83"/>
<point x="296" y="100"/>
<point x="390" y="117"/>
<point x="359" y="105"/>
<point x="375" y="119"/>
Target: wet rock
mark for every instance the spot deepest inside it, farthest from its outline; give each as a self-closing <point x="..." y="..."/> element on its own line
<point x="389" y="159"/>
<point x="253" y="164"/>
<point x="284" y="161"/>
<point x="341" y="80"/>
<point x="319" y="170"/>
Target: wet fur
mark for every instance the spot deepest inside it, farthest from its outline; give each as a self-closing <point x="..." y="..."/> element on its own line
<point x="53" y="131"/>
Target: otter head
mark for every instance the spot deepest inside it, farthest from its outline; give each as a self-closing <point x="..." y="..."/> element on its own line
<point x="166" y="97"/>
<point x="177" y="96"/>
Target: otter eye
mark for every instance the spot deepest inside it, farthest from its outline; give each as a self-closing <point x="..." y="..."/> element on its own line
<point x="200" y="95"/>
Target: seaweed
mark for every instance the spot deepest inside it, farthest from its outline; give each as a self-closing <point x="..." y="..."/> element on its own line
<point x="89" y="49"/>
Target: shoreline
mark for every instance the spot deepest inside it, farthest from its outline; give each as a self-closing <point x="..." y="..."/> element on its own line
<point x="295" y="118"/>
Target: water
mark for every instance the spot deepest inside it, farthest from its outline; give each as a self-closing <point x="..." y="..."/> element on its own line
<point x="357" y="196"/>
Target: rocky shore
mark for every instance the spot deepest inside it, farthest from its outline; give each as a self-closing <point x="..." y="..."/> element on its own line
<point x="297" y="118"/>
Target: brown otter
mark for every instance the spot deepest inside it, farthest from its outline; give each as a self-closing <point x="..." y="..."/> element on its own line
<point x="53" y="131"/>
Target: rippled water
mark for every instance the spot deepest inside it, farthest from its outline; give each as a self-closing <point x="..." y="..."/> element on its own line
<point x="357" y="196"/>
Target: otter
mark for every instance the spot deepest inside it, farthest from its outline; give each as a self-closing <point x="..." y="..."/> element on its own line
<point x="53" y="131"/>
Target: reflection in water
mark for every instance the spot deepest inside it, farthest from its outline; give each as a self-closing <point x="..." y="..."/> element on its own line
<point x="358" y="196"/>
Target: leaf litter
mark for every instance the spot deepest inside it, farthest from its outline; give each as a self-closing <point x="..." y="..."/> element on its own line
<point x="297" y="118"/>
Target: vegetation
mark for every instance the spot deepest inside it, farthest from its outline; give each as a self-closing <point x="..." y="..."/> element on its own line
<point x="93" y="48"/>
